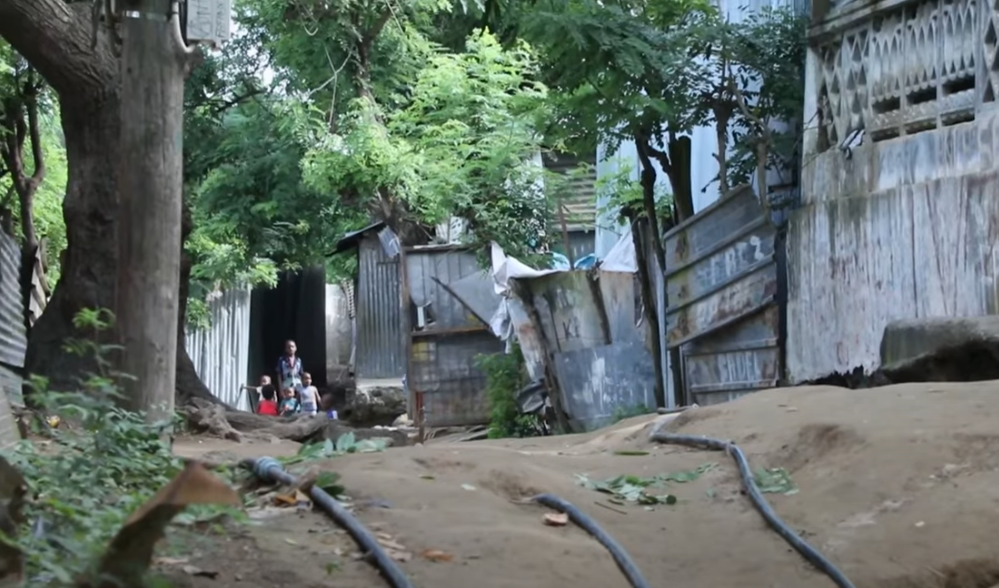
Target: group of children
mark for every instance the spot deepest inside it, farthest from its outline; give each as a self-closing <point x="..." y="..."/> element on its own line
<point x="302" y="399"/>
<point x="298" y="395"/>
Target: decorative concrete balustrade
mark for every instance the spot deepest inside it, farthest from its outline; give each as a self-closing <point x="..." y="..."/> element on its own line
<point x="900" y="67"/>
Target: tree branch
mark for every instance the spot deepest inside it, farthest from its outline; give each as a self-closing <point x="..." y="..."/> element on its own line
<point x="55" y="38"/>
<point x="762" y="145"/>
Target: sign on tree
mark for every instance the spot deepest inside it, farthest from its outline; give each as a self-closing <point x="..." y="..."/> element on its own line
<point x="208" y="21"/>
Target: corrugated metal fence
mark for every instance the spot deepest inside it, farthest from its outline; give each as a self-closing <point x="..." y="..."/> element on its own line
<point x="13" y="338"/>
<point x="221" y="352"/>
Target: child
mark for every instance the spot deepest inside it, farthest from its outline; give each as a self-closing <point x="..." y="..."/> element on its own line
<point x="289" y="404"/>
<point x="309" y="396"/>
<point x="268" y="403"/>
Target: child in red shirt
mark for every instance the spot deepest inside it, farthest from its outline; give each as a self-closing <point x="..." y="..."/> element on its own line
<point x="268" y="405"/>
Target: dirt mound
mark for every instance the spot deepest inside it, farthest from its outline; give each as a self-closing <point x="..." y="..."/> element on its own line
<point x="899" y="486"/>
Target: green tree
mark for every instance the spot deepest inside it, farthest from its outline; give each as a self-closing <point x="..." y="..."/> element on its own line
<point x="462" y="146"/>
<point x="32" y="162"/>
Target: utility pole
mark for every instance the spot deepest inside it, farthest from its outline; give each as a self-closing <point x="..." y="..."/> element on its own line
<point x="154" y="63"/>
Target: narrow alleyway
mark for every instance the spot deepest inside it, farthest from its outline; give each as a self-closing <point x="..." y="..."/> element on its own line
<point x="896" y="486"/>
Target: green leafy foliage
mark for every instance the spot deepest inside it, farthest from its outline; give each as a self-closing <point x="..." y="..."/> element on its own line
<point x="768" y="52"/>
<point x="775" y="481"/>
<point x="505" y="376"/>
<point x="462" y="145"/>
<point x="346" y="443"/>
<point x="648" y="491"/>
<point x="47" y="202"/>
<point x="90" y="471"/>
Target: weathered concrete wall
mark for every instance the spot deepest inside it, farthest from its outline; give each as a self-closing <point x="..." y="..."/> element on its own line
<point x="903" y="228"/>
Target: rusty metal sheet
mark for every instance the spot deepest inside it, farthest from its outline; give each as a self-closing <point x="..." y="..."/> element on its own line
<point x="443" y="368"/>
<point x="734" y="361"/>
<point x="570" y="313"/>
<point x="443" y="354"/>
<point x="600" y="381"/>
<point x="695" y="318"/>
<point x="426" y="269"/>
<point x="722" y="280"/>
<point x="623" y="304"/>
<point x="529" y="338"/>
<point x="721" y="267"/>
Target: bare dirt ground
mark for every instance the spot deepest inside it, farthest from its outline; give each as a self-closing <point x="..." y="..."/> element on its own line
<point x="897" y="485"/>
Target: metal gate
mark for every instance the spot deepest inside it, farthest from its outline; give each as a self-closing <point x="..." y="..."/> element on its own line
<point x="721" y="281"/>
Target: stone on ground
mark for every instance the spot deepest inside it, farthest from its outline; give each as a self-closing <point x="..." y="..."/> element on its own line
<point x="941" y="349"/>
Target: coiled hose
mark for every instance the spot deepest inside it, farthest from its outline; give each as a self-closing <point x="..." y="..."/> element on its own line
<point x="269" y="469"/>
<point x="810" y="554"/>
<point x="621" y="557"/>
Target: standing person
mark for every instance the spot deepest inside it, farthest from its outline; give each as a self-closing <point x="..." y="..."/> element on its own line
<point x="309" y="396"/>
<point x="289" y="369"/>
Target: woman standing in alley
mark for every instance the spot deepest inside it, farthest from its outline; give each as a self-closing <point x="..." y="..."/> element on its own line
<point x="289" y="369"/>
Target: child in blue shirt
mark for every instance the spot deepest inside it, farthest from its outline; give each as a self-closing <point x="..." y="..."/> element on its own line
<point x="289" y="404"/>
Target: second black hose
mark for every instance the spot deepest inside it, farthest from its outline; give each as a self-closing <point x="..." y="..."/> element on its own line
<point x="621" y="557"/>
<point x="810" y="554"/>
<point x="269" y="469"/>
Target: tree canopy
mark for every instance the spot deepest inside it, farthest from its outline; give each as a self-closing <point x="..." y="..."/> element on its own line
<point x="318" y="118"/>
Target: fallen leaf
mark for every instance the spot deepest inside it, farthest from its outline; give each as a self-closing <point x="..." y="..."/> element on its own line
<point x="290" y="541"/>
<point x="131" y="551"/>
<point x="427" y="477"/>
<point x="285" y="499"/>
<point x="468" y="487"/>
<point x="556" y="519"/>
<point x="436" y="555"/>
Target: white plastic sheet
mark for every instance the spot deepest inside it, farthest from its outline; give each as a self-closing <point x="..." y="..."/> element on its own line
<point x="621" y="257"/>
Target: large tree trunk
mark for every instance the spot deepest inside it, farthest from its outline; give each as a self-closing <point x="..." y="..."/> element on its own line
<point x="55" y="38"/>
<point x="91" y="127"/>
<point x="153" y="67"/>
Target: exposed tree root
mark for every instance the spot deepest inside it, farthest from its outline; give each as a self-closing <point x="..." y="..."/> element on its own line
<point x="214" y="419"/>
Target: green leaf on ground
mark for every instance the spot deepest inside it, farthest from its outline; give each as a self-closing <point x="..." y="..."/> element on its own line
<point x="639" y="490"/>
<point x="775" y="481"/>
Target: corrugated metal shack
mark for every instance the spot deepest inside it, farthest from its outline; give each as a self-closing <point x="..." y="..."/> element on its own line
<point x="381" y="334"/>
<point x="590" y="326"/>
<point x="445" y="337"/>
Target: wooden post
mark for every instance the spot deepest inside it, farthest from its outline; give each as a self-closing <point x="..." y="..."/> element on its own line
<point x="154" y="63"/>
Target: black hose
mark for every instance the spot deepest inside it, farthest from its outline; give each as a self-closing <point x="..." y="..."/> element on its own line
<point x="811" y="554"/>
<point x="621" y="557"/>
<point x="270" y="470"/>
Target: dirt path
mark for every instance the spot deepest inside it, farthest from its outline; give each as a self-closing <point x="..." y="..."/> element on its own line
<point x="897" y="485"/>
